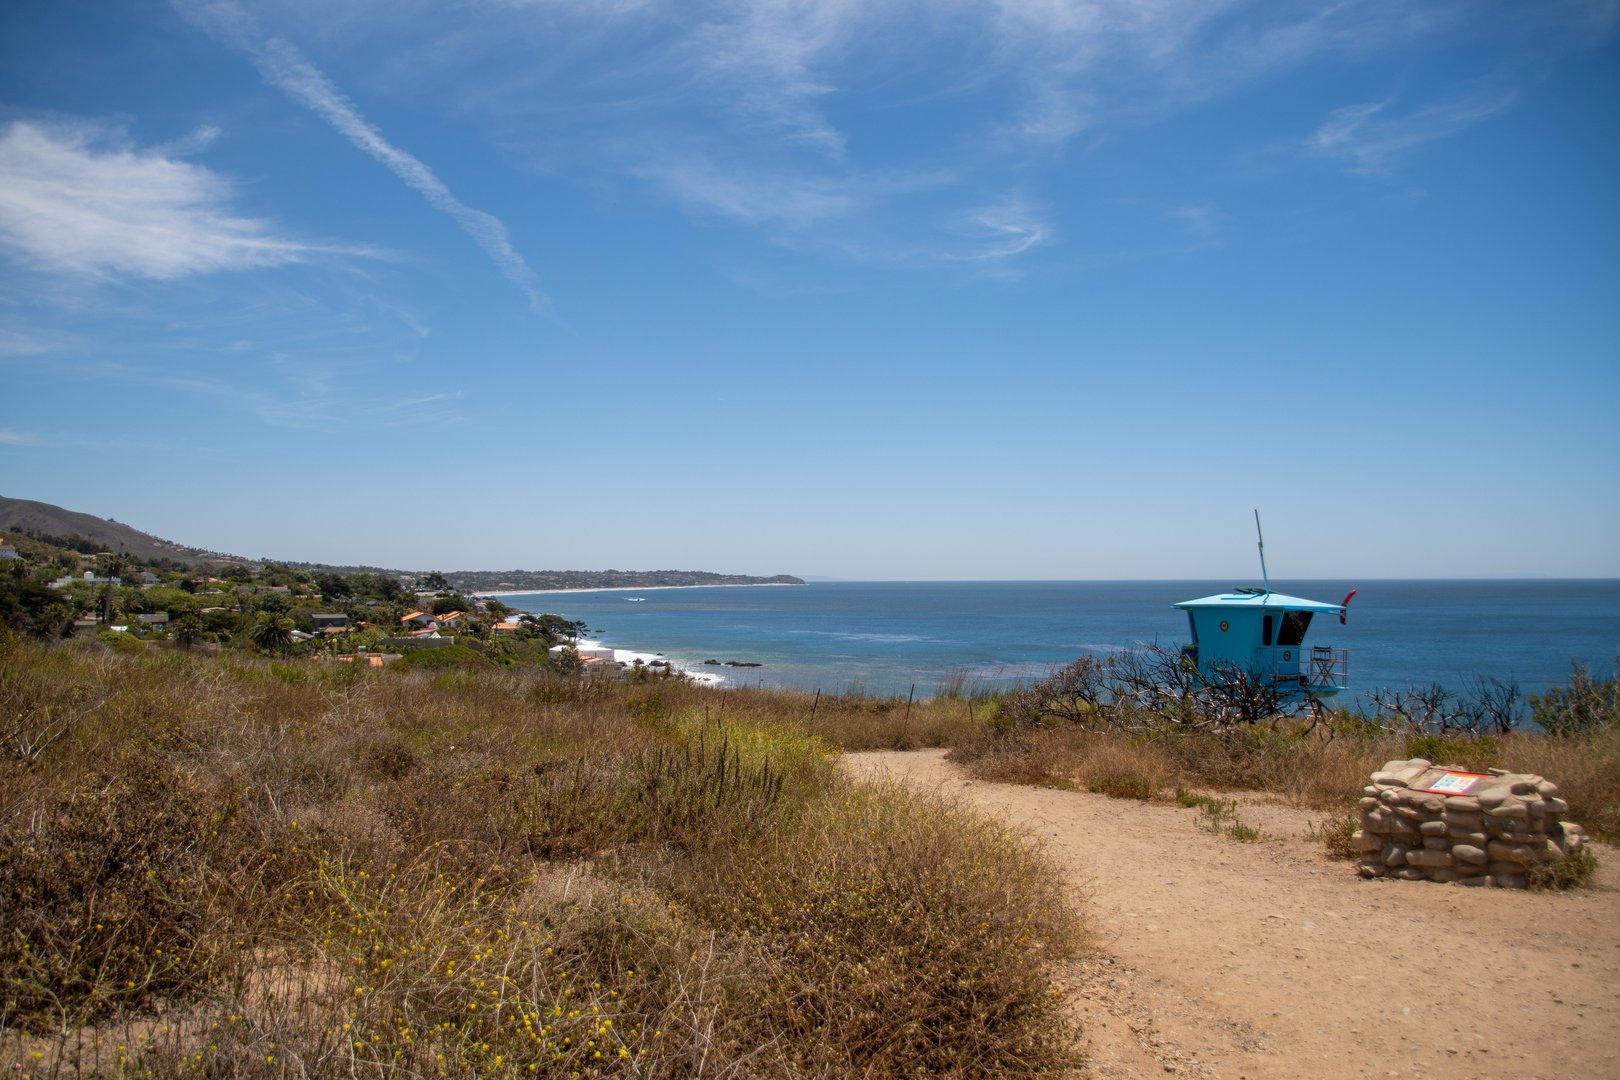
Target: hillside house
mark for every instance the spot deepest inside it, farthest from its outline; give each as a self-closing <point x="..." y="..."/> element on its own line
<point x="586" y="652"/>
<point x="368" y="659"/>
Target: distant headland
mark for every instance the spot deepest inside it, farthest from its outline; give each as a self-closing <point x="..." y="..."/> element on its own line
<point x="87" y="534"/>
<point x="490" y="582"/>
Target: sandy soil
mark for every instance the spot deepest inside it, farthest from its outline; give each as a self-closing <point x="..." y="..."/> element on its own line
<point x="1214" y="958"/>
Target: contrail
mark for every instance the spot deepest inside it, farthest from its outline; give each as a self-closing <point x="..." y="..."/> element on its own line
<point x="284" y="67"/>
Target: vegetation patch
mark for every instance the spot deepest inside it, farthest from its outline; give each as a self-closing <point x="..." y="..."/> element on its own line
<point x="1087" y="722"/>
<point x="235" y="865"/>
<point x="1338" y="835"/>
<point x="1219" y="816"/>
<point x="1565" y="872"/>
<point x="1121" y="786"/>
<point x="1478" y="753"/>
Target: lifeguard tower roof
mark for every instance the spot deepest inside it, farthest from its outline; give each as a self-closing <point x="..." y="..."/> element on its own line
<point x="1254" y="600"/>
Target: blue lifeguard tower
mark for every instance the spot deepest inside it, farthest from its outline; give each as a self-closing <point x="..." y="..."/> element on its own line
<point x="1263" y="633"/>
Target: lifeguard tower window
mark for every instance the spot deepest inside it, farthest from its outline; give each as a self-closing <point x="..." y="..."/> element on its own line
<point x="1192" y="627"/>
<point x="1294" y="625"/>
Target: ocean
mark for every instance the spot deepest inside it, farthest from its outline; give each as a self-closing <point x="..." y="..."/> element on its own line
<point x="898" y="638"/>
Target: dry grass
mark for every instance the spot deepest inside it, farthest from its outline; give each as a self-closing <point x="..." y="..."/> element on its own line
<point x="1304" y="767"/>
<point x="894" y="927"/>
<point x="226" y="866"/>
<point x="1586" y="770"/>
<point x="1316" y="768"/>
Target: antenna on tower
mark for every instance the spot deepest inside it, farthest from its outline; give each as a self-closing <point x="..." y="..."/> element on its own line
<point x="1262" y="538"/>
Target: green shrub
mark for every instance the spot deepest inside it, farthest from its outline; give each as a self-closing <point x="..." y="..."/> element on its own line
<point x="441" y="659"/>
<point x="1337" y="834"/>
<point x="1121" y="786"/>
<point x="1566" y="872"/>
<point x="1188" y="799"/>
<point x="1220" y="816"/>
<point x="1585" y="707"/>
<point x="1476" y="752"/>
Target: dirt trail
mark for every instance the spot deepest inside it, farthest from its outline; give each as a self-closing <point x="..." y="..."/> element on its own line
<point x="1215" y="958"/>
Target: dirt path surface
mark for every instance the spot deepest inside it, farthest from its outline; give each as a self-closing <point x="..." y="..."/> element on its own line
<point x="1264" y="960"/>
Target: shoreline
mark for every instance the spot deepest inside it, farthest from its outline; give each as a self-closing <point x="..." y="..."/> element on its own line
<point x="628" y="657"/>
<point x="695" y="671"/>
<point x="637" y="588"/>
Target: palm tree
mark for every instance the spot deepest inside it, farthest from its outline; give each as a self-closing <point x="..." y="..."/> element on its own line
<point x="273" y="633"/>
<point x="187" y="629"/>
<point x="115" y="566"/>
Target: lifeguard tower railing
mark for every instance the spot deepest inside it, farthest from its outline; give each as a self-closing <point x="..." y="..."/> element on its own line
<point x="1313" y="668"/>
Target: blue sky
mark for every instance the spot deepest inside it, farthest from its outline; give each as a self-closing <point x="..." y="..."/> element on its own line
<point x="886" y="289"/>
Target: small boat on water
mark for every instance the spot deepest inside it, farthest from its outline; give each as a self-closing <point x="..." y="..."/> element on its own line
<point x="1262" y="633"/>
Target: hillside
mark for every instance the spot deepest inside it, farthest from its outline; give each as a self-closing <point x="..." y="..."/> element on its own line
<point x="88" y="534"/>
<point x="85" y="531"/>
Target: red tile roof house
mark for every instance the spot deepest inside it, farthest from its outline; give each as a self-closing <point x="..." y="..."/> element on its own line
<point x="421" y="618"/>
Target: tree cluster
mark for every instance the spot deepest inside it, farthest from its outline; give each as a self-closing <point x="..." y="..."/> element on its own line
<point x="269" y="608"/>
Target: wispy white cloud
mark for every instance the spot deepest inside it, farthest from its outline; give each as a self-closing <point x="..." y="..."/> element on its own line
<point x="755" y="196"/>
<point x="15" y="342"/>
<point x="78" y="199"/>
<point x="192" y="143"/>
<point x="1002" y="231"/>
<point x="774" y="59"/>
<point x="287" y="393"/>
<point x="12" y="437"/>
<point x="1045" y="72"/>
<point x="1069" y="55"/>
<point x="1367" y="138"/>
<point x="284" y="67"/>
<point x="804" y="109"/>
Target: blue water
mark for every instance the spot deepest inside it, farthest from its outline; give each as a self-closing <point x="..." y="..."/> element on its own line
<point x="886" y="638"/>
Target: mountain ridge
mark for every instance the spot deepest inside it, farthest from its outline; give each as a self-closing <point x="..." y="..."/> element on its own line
<point x="32" y="518"/>
<point x="90" y="534"/>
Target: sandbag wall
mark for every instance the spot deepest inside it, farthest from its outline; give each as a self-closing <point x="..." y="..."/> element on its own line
<point x="1491" y="832"/>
